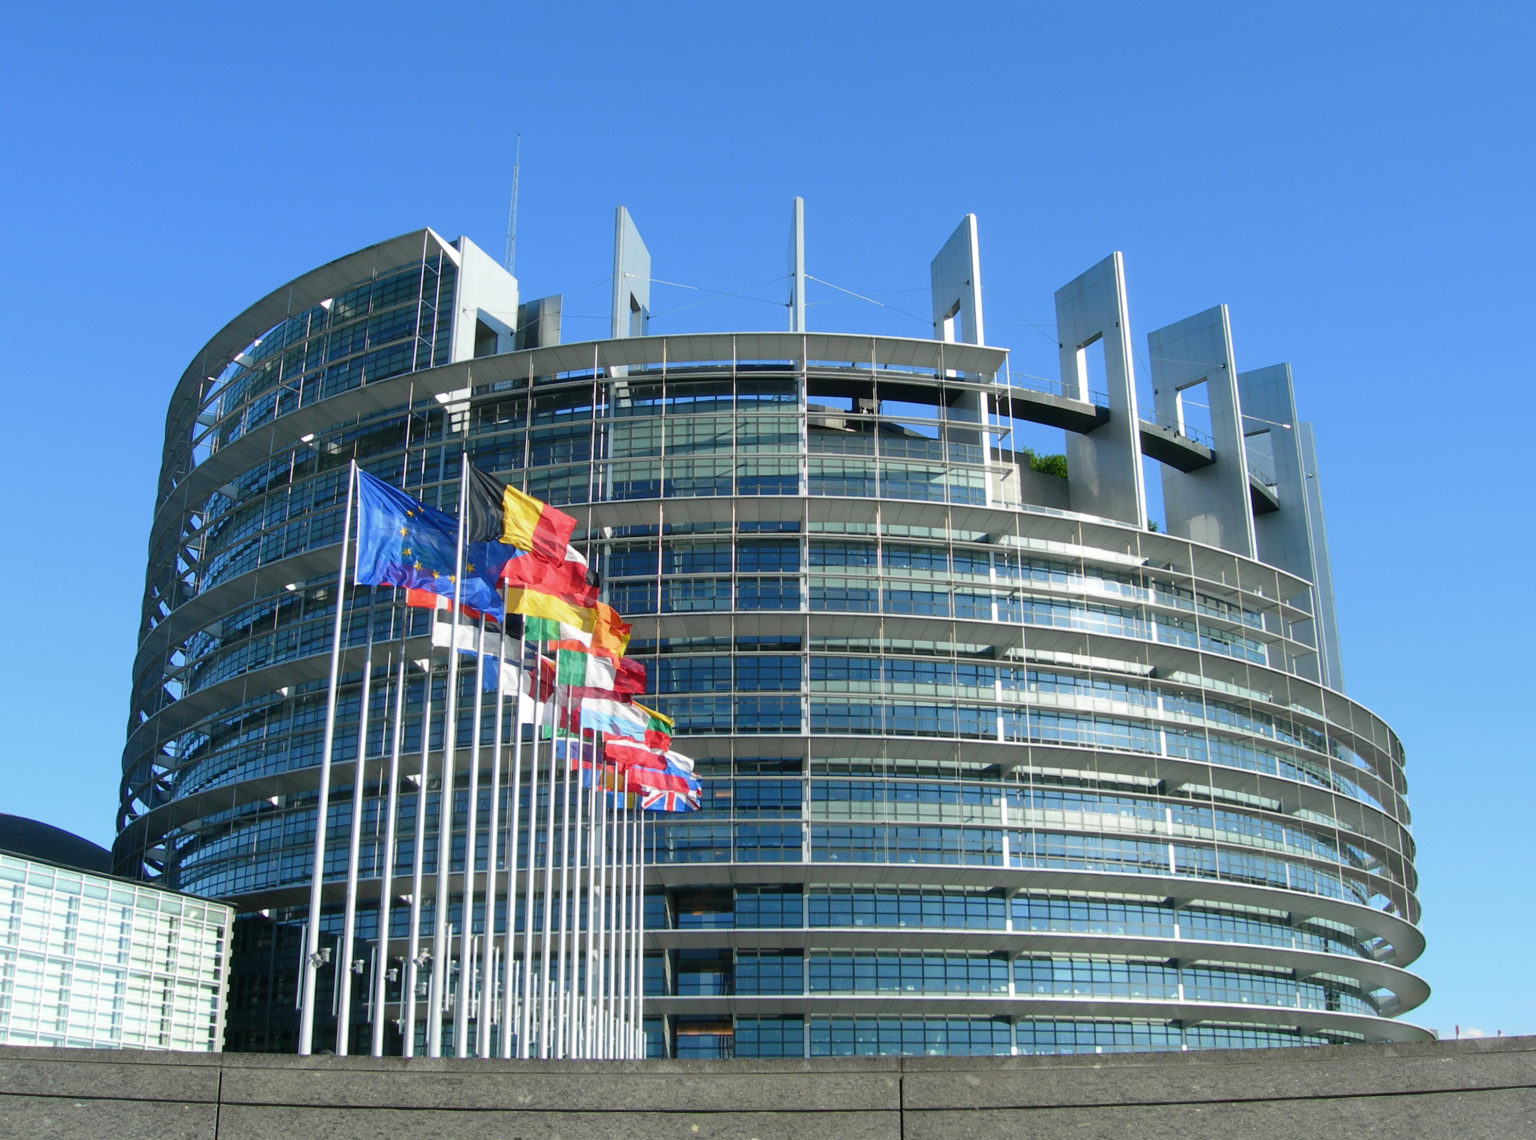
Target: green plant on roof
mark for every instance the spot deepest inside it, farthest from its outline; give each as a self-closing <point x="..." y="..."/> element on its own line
<point x="1046" y="464"/>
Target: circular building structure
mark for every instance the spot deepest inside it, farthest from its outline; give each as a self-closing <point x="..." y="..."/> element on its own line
<point x="989" y="764"/>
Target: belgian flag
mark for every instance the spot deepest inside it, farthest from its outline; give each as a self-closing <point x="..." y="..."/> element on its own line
<point x="496" y="512"/>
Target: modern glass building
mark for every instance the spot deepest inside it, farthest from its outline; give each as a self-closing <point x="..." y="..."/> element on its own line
<point x="91" y="961"/>
<point x="990" y="763"/>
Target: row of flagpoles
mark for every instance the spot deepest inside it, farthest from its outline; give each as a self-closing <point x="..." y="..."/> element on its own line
<point x="563" y="823"/>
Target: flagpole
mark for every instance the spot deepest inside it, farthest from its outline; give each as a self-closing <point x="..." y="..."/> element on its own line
<point x="625" y="924"/>
<point x="418" y="856"/>
<point x="577" y="882"/>
<point x="610" y="905"/>
<point x="549" y="887"/>
<point x="626" y="920"/>
<point x="562" y="1033"/>
<point x="590" y="848"/>
<point x="610" y="965"/>
<point x="599" y="805"/>
<point x="578" y="805"/>
<point x="312" y="934"/>
<point x="599" y="907"/>
<point x="637" y="1051"/>
<point x="593" y="919"/>
<point x="575" y="1013"/>
<point x="492" y="848"/>
<point x="570" y="884"/>
<point x="354" y="847"/>
<point x="627" y="964"/>
<point x="386" y="871"/>
<point x="525" y="1016"/>
<point x="512" y="822"/>
<point x="461" y="1008"/>
<point x="438" y="997"/>
<point x="621" y="947"/>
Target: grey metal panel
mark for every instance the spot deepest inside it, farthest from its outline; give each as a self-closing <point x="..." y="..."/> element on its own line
<point x="1322" y="570"/>
<point x="1210" y="505"/>
<point x="631" y="278"/>
<point x="538" y="323"/>
<point x="1104" y="464"/>
<point x="1269" y="410"/>
<point x="1270" y="437"/>
<point x="484" y="294"/>
<point x="955" y="273"/>
<point x="797" y="267"/>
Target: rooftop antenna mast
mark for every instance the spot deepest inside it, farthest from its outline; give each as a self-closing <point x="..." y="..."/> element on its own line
<point x="509" y="259"/>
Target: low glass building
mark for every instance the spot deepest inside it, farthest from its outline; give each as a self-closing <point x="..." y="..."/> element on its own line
<point x="92" y="961"/>
<point x="991" y="764"/>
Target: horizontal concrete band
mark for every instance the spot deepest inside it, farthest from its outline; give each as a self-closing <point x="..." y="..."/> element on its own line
<point x="1483" y="1087"/>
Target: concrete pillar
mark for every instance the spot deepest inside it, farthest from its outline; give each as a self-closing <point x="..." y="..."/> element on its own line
<point x="487" y="314"/>
<point x="1322" y="571"/>
<point x="1104" y="464"/>
<point x="797" y="267"/>
<point x="955" y="275"/>
<point x="1211" y="504"/>
<point x="631" y="279"/>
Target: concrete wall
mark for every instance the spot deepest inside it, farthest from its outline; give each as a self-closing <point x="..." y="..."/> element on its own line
<point x="1466" y="1089"/>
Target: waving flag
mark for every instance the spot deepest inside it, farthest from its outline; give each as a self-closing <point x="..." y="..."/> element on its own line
<point x="649" y="765"/>
<point x="658" y="728"/>
<point x="629" y="721"/>
<point x="670" y="789"/>
<point x="403" y="542"/>
<point x="597" y="675"/>
<point x="614" y="718"/>
<point x="427" y="600"/>
<point x="525" y="522"/>
<point x="609" y="779"/>
<point x="498" y="661"/>
<point x="576" y="751"/>
<point x="570" y="581"/>
<point x="627" y="678"/>
<point x="608" y="635"/>
<point x="583" y="670"/>
<point x="678" y="760"/>
<point x="628" y="754"/>
<point x="532" y="604"/>
<point x="658" y="799"/>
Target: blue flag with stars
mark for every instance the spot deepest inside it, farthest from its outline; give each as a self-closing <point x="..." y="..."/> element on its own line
<point x="403" y="542"/>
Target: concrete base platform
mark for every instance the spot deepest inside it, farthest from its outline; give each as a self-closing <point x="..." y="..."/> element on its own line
<point x="1483" y="1088"/>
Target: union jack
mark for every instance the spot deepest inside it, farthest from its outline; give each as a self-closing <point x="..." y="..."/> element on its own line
<point x="661" y="799"/>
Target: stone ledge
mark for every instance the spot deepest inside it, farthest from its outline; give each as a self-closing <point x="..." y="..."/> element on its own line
<point x="1468" y="1088"/>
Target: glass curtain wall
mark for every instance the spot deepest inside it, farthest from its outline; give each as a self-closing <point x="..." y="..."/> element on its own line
<point x="1021" y="779"/>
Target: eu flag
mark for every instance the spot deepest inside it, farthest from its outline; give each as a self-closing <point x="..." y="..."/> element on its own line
<point x="403" y="542"/>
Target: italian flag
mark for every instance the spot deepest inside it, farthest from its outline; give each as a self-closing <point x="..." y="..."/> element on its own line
<point x="584" y="670"/>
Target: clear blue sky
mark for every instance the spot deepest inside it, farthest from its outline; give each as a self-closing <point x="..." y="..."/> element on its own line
<point x="1353" y="180"/>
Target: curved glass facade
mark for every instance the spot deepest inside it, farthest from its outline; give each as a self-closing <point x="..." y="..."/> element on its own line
<point x="981" y="774"/>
